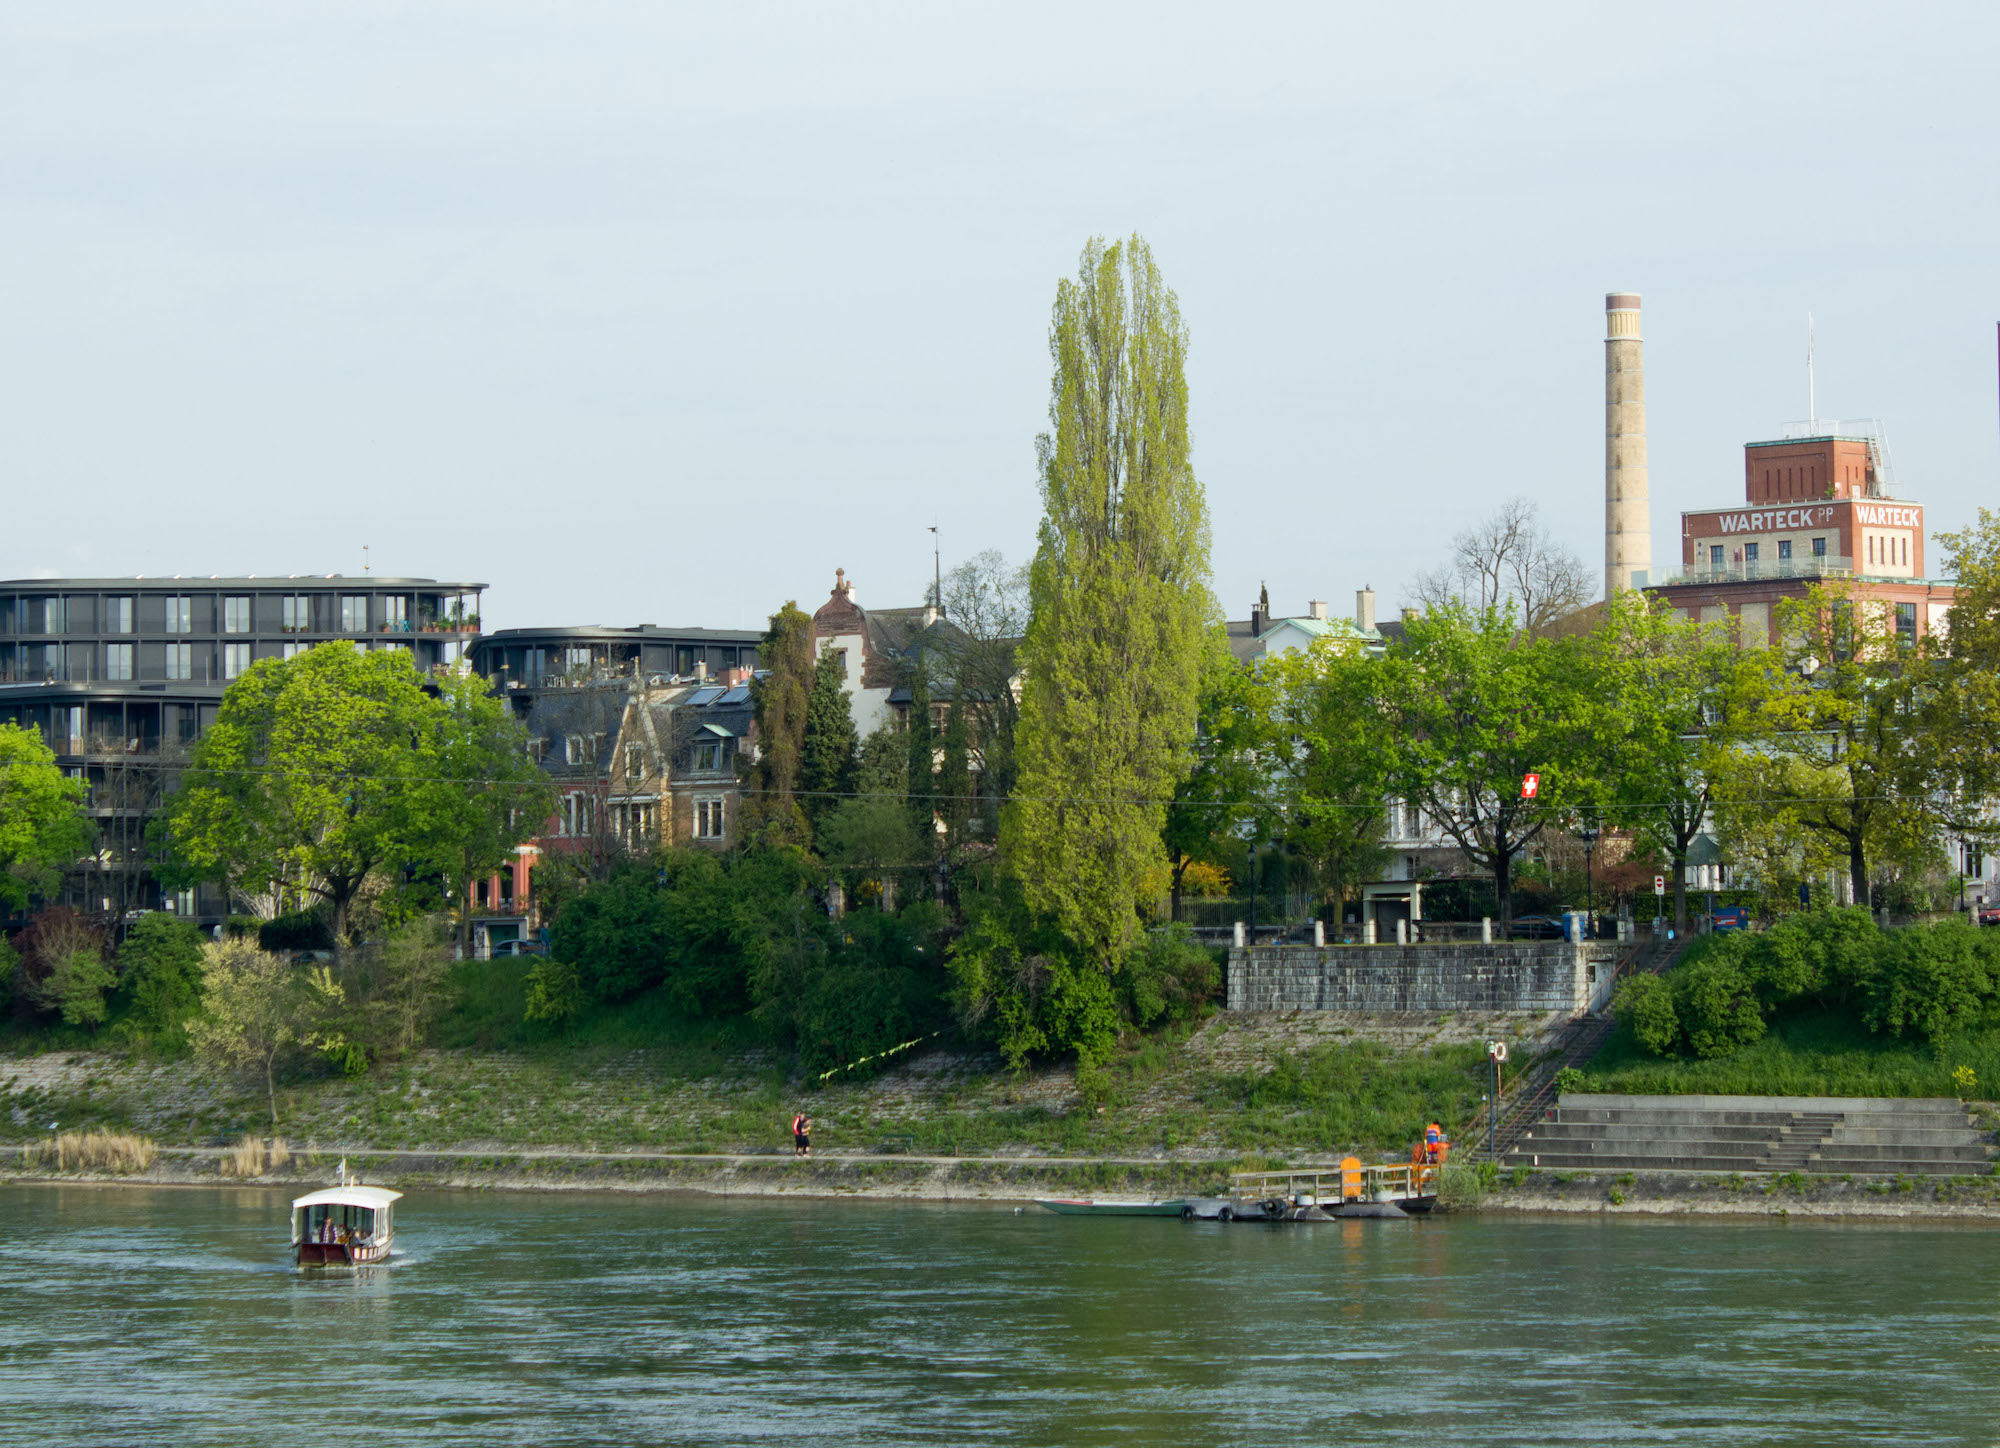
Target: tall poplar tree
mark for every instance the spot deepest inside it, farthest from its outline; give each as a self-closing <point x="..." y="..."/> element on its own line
<point x="826" y="764"/>
<point x="778" y="699"/>
<point x="1119" y="600"/>
<point x="922" y="741"/>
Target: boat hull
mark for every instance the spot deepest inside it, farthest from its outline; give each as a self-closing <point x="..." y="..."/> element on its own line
<point x="341" y="1254"/>
<point x="1075" y="1207"/>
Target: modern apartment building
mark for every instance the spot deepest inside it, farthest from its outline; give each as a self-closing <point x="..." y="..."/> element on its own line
<point x="521" y="662"/>
<point x="120" y="675"/>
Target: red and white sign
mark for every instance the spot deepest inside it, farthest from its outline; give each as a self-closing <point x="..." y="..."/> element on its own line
<point x="1531" y="785"/>
<point x="1659" y="884"/>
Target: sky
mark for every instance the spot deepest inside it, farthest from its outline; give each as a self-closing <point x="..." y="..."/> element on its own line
<point x="659" y="314"/>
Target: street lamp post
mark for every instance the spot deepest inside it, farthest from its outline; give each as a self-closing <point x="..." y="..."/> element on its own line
<point x="1588" y="832"/>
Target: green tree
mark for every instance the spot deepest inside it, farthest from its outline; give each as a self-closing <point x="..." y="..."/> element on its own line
<point x="1960" y="713"/>
<point x="1216" y="806"/>
<point x="986" y="606"/>
<point x="1336" y="782"/>
<point x="826" y="755"/>
<point x="920" y="740"/>
<point x="779" y="697"/>
<point x="1470" y="705"/>
<point x="1672" y="688"/>
<point x="954" y="777"/>
<point x="1119" y="607"/>
<point x="256" y="1008"/>
<point x="318" y="770"/>
<point x="1836" y="719"/>
<point x="484" y="794"/>
<point x="42" y="825"/>
<point x="159" y="972"/>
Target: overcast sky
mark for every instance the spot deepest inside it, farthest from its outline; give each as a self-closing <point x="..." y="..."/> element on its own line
<point x="658" y="314"/>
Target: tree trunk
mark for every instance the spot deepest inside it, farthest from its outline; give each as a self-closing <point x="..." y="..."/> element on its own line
<point x="1503" y="881"/>
<point x="271" y="1085"/>
<point x="1680" y="859"/>
<point x="1857" y="871"/>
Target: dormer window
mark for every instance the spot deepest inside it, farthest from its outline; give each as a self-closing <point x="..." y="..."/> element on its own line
<point x="573" y="749"/>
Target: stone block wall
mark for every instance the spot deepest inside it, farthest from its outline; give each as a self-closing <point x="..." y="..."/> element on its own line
<point x="1524" y="975"/>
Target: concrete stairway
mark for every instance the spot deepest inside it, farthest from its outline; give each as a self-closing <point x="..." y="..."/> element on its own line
<point x="1818" y="1135"/>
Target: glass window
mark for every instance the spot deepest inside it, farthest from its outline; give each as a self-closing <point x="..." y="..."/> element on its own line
<point x="396" y="613"/>
<point x="1784" y="548"/>
<point x="180" y="619"/>
<point x="235" y="616"/>
<point x="353" y="613"/>
<point x="708" y="756"/>
<point x="1819" y="547"/>
<point x="635" y="761"/>
<point x="52" y="615"/>
<point x="573" y="749"/>
<point x="118" y="615"/>
<point x="118" y="661"/>
<point x="235" y="660"/>
<point x="708" y="819"/>
<point x="1715" y="556"/>
<point x="297" y="614"/>
<point x="180" y="660"/>
<point x="293" y="650"/>
<point x="577" y="660"/>
<point x="1749" y="552"/>
<point x="1906" y="622"/>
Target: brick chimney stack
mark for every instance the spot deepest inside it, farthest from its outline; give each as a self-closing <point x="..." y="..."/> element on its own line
<point x="1628" y="526"/>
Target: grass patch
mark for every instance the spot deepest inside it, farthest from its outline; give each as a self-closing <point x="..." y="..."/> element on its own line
<point x="116" y="1151"/>
<point x="1806" y="1051"/>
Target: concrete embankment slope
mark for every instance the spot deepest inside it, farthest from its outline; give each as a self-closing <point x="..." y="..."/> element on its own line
<point x="1817" y="1135"/>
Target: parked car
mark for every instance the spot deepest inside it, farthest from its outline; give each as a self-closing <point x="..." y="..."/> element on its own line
<point x="1989" y="915"/>
<point x="1537" y="927"/>
<point x="518" y="947"/>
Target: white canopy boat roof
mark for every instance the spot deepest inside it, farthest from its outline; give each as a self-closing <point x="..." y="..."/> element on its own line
<point x="373" y="1198"/>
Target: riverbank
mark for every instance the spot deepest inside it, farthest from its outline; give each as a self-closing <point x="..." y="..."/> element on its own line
<point x="1018" y="1180"/>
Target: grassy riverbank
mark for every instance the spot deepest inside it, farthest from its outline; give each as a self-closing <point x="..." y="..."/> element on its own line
<point x="1227" y="1086"/>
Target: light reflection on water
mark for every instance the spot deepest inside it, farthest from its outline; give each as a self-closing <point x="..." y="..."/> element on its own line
<point x="172" y="1315"/>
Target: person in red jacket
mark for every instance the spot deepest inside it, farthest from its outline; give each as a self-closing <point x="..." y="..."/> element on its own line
<point x="802" y="1135"/>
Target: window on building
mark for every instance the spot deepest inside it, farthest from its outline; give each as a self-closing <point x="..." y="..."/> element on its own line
<point x="353" y="613"/>
<point x="118" y="661"/>
<point x="294" y="649"/>
<point x="396" y="613"/>
<point x="235" y="660"/>
<point x="180" y="616"/>
<point x="538" y="749"/>
<point x="52" y="615"/>
<point x="708" y="756"/>
<point x="577" y="660"/>
<point x="1750" y="552"/>
<point x="296" y="614"/>
<point x="235" y="615"/>
<point x="118" y="615"/>
<point x="1715" y="556"/>
<point x="180" y="660"/>
<point x="708" y="819"/>
<point x="573" y="749"/>
<point x="635" y="761"/>
<point x="1784" y="550"/>
<point x="179" y="902"/>
<point x="1819" y="547"/>
<point x="1906" y="622"/>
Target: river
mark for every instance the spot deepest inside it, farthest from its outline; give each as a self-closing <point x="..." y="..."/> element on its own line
<point x="171" y="1316"/>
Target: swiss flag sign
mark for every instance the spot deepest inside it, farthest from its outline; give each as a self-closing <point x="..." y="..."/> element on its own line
<point x="1531" y="785"/>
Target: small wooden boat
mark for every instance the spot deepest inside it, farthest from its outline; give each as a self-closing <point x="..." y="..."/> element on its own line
<point x="1090" y="1207"/>
<point x="344" y="1226"/>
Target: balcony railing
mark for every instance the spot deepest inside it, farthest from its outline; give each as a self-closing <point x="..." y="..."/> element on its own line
<point x="1830" y="566"/>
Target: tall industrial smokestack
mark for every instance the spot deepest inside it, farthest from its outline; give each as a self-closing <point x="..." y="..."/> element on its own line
<point x="1628" y="525"/>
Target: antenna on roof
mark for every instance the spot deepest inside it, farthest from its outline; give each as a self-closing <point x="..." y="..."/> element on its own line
<point x="937" y="571"/>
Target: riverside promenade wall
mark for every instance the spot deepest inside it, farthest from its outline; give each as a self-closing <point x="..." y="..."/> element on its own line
<point x="1522" y="975"/>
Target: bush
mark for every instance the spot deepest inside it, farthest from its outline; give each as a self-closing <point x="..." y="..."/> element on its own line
<point x="1717" y="1009"/>
<point x="1931" y="981"/>
<point x="159" y="973"/>
<point x="1168" y="974"/>
<point x="310" y="929"/>
<point x="555" y="991"/>
<point x="1644" y="1005"/>
<point x="1015" y="982"/>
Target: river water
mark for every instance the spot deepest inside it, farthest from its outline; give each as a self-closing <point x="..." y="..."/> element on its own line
<point x="171" y="1316"/>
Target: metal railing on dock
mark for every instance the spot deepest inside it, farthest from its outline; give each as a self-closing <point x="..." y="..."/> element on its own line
<point x="1343" y="1183"/>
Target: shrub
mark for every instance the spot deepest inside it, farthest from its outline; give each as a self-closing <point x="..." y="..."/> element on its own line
<point x="1716" y="1006"/>
<point x="1168" y="974"/>
<point x="309" y="929"/>
<point x="62" y="970"/>
<point x="159" y="969"/>
<point x="555" y="991"/>
<point x="1931" y="981"/>
<point x="1644" y="1005"/>
<point x="1570" y="1080"/>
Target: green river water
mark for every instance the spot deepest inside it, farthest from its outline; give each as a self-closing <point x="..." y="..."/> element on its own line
<point x="171" y="1316"/>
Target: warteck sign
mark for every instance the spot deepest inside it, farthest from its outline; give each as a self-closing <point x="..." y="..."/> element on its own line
<point x="1882" y="515"/>
<point x="1771" y="519"/>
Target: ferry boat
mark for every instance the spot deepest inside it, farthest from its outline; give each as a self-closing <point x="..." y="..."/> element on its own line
<point x="1094" y="1207"/>
<point x="344" y="1226"/>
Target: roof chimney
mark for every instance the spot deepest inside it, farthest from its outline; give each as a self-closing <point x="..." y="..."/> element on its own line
<point x="1364" y="609"/>
<point x="842" y="587"/>
<point x="1316" y="608"/>
<point x="1257" y="620"/>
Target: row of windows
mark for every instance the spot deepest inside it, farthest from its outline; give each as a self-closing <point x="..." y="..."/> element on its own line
<point x="1888" y="550"/>
<point x="1752" y="552"/>
<point x="122" y="663"/>
<point x="577" y="818"/>
<point x="233" y="614"/>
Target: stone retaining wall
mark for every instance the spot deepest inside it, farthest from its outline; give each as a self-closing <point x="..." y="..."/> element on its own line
<point x="1554" y="975"/>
